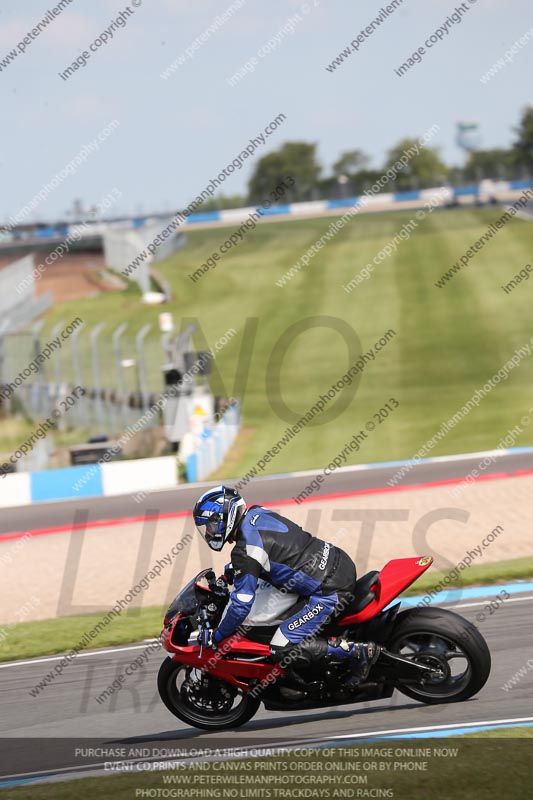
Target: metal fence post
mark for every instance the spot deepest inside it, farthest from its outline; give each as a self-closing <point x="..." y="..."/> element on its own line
<point x="78" y="409"/>
<point x="117" y="333"/>
<point x="141" y="364"/>
<point x="40" y="396"/>
<point x="56" y="356"/>
<point x="95" y="359"/>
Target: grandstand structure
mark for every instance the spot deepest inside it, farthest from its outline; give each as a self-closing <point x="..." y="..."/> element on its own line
<point x="119" y="241"/>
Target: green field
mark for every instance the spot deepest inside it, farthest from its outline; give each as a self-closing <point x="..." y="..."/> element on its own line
<point x="449" y="341"/>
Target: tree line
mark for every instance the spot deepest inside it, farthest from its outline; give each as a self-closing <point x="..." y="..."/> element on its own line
<point x="351" y="174"/>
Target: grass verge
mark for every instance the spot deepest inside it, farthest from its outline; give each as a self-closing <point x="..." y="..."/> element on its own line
<point x="502" y="733"/>
<point x="50" y="636"/>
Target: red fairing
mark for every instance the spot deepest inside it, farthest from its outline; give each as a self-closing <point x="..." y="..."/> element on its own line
<point x="394" y="578"/>
<point x="166" y="620"/>
<point x="165" y="640"/>
<point x="232" y="669"/>
<point x="239" y="644"/>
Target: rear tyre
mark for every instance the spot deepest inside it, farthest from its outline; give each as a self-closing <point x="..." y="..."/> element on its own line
<point x="201" y="700"/>
<point x="437" y="637"/>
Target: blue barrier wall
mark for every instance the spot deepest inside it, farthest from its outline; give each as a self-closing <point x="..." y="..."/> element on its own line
<point x="401" y="197"/>
<point x="205" y="216"/>
<point x="55" y="484"/>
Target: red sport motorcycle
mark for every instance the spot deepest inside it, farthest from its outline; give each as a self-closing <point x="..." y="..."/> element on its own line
<point x="429" y="654"/>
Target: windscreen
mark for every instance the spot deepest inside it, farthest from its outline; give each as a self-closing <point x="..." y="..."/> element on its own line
<point x="187" y="601"/>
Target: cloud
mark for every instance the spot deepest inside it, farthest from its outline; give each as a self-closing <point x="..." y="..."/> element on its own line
<point x="179" y="6"/>
<point x="13" y="31"/>
<point x="68" y="30"/>
<point x="202" y="118"/>
<point x="72" y="30"/>
<point x="91" y="107"/>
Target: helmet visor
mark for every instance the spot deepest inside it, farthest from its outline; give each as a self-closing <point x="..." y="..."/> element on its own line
<point x="209" y="530"/>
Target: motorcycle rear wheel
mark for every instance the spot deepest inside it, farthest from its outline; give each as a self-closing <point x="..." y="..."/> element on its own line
<point x="437" y="637"/>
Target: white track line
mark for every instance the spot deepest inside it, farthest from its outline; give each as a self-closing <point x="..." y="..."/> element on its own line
<point x="430" y="728"/>
<point x="488" y="599"/>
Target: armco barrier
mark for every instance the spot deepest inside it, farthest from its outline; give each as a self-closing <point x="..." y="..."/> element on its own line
<point x="88" y="480"/>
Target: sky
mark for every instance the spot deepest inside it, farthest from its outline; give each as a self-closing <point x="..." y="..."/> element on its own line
<point x="173" y="135"/>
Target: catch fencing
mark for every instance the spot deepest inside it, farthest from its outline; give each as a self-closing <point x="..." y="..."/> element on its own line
<point x="120" y="369"/>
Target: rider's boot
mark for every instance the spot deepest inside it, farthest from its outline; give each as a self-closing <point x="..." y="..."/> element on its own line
<point x="362" y="655"/>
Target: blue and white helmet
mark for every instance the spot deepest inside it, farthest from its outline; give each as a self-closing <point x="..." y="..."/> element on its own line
<point x="217" y="514"/>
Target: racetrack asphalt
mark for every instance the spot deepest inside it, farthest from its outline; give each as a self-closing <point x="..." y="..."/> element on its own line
<point x="39" y="734"/>
<point x="267" y="489"/>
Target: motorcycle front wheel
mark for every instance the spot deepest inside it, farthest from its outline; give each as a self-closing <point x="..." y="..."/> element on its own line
<point x="202" y="700"/>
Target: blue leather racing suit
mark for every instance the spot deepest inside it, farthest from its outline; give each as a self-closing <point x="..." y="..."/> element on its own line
<point x="272" y="548"/>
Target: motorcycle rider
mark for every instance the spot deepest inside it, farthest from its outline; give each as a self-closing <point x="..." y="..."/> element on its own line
<point x="273" y="548"/>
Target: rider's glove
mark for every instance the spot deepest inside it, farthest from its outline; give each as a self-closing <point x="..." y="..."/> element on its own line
<point x="229" y="574"/>
<point x="205" y="638"/>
